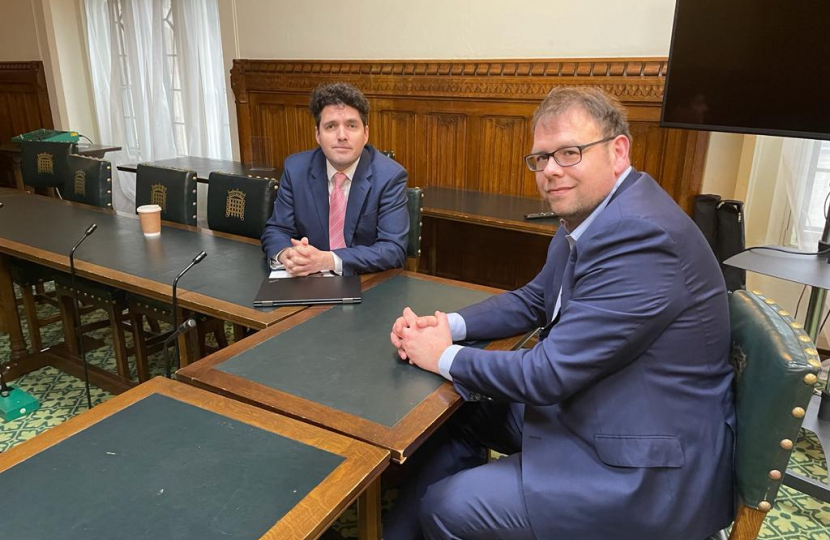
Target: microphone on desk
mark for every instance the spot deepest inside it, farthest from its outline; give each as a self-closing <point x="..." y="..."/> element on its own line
<point x="186" y="326"/>
<point x="77" y="311"/>
<point x="196" y="260"/>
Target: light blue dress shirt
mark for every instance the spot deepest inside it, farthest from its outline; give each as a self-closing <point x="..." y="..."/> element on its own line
<point x="458" y="328"/>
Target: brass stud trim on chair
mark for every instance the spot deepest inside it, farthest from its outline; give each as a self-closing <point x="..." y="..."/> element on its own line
<point x="783" y="312"/>
<point x="798" y="412"/>
<point x="786" y="444"/>
<point x="804" y="339"/>
<point x="764" y="506"/>
<point x="797" y="325"/>
<point x="769" y="301"/>
<point x="815" y="363"/>
<point x="811" y="352"/>
<point x="756" y="292"/>
<point x="810" y="379"/>
<point x="775" y="474"/>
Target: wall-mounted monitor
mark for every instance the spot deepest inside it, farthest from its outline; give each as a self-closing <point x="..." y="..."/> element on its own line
<point x="750" y="66"/>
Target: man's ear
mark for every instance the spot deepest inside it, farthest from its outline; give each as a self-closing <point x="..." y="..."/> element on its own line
<point x="621" y="147"/>
<point x="317" y="134"/>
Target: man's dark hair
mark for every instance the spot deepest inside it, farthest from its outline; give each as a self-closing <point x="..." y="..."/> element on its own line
<point x="338" y="94"/>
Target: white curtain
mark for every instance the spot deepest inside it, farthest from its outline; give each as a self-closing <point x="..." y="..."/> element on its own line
<point x="146" y="77"/>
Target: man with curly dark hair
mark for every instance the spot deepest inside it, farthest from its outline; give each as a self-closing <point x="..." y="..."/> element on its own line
<point x="342" y="206"/>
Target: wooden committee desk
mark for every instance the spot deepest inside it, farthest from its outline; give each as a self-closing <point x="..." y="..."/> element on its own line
<point x="205" y="166"/>
<point x="91" y="150"/>
<point x="43" y="230"/>
<point x="483" y="237"/>
<point x="335" y="367"/>
<point x="166" y="460"/>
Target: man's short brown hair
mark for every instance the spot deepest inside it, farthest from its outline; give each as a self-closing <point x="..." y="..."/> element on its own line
<point x="338" y="94"/>
<point x="605" y="109"/>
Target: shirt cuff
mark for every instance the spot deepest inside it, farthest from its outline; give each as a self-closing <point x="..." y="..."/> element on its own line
<point x="458" y="327"/>
<point x="275" y="262"/>
<point x="338" y="264"/>
<point x="446" y="360"/>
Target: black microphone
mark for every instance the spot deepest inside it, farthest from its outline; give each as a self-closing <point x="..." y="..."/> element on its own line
<point x="1" y="205"/>
<point x="186" y="326"/>
<point x="196" y="260"/>
<point x="77" y="311"/>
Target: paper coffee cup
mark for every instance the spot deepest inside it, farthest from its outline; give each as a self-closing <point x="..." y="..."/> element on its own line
<point x="150" y="217"/>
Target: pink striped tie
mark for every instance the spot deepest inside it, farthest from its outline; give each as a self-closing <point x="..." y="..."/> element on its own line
<point x="337" y="212"/>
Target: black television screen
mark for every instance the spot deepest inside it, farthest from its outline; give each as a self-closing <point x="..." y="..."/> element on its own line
<point x="750" y="66"/>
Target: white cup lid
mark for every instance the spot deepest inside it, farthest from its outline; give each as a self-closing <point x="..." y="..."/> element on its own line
<point x="148" y="208"/>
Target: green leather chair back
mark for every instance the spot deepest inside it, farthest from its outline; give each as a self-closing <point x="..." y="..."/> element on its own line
<point x="414" y="204"/>
<point x="388" y="153"/>
<point x="776" y="366"/>
<point x="89" y="181"/>
<point x="172" y="189"/>
<point x="44" y="164"/>
<point x="240" y="204"/>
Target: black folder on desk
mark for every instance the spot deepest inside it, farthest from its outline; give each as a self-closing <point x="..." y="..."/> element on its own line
<point x="308" y="290"/>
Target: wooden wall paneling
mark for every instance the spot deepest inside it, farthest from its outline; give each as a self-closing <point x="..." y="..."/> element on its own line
<point x="24" y="99"/>
<point x="24" y="106"/>
<point x="504" y="140"/>
<point x="444" y="157"/>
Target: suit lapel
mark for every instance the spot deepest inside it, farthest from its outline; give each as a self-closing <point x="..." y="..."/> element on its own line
<point x="357" y="195"/>
<point x="560" y="254"/>
<point x="319" y="186"/>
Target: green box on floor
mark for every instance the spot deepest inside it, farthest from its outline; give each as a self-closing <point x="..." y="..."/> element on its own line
<point x="18" y="403"/>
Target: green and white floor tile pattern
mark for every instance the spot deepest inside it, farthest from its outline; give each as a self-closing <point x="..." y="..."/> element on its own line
<point x="795" y="515"/>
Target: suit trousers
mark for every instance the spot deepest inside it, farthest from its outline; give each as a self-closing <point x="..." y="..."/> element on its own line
<point x="451" y="492"/>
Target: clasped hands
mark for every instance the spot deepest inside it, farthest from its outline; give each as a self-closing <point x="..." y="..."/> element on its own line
<point x="421" y="340"/>
<point x="303" y="259"/>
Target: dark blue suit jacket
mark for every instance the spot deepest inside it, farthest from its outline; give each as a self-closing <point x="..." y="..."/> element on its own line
<point x="377" y="221"/>
<point x="629" y="418"/>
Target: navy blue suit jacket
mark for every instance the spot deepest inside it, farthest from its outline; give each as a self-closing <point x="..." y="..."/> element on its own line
<point x="377" y="221"/>
<point x="629" y="416"/>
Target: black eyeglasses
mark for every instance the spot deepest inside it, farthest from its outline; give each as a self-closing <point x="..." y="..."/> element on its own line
<point x="567" y="156"/>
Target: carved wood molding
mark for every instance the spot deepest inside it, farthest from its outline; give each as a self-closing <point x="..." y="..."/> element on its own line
<point x="637" y="80"/>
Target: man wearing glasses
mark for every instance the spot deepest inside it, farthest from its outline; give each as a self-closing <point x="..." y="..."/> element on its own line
<point x="619" y="423"/>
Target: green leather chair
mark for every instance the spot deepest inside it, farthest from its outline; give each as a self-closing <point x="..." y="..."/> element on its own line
<point x="172" y="189"/>
<point x="415" y="206"/>
<point x="776" y="366"/>
<point x="240" y="205"/>
<point x="89" y="181"/>
<point x="44" y="164"/>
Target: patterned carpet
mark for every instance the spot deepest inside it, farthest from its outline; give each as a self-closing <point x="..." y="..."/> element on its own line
<point x="795" y="515"/>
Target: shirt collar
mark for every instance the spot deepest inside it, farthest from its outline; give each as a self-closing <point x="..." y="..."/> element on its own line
<point x="582" y="227"/>
<point x="349" y="172"/>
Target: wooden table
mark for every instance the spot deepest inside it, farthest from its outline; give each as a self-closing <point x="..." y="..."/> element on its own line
<point x="335" y="367"/>
<point x="204" y="166"/>
<point x="166" y="460"/>
<point x="91" y="150"/>
<point x="42" y="230"/>
<point x="483" y="237"/>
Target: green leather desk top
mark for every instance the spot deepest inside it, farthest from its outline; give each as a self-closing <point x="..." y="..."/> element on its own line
<point x="160" y="468"/>
<point x="233" y="271"/>
<point x="342" y="358"/>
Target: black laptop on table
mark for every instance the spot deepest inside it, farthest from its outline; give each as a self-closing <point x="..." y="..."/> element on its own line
<point x="308" y="290"/>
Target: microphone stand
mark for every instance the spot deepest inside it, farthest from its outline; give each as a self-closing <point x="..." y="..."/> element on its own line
<point x="185" y="327"/>
<point x="196" y="260"/>
<point x="77" y="310"/>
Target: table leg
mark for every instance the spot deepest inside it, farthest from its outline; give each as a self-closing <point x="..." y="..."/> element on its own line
<point x="9" y="320"/>
<point x="368" y="512"/>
